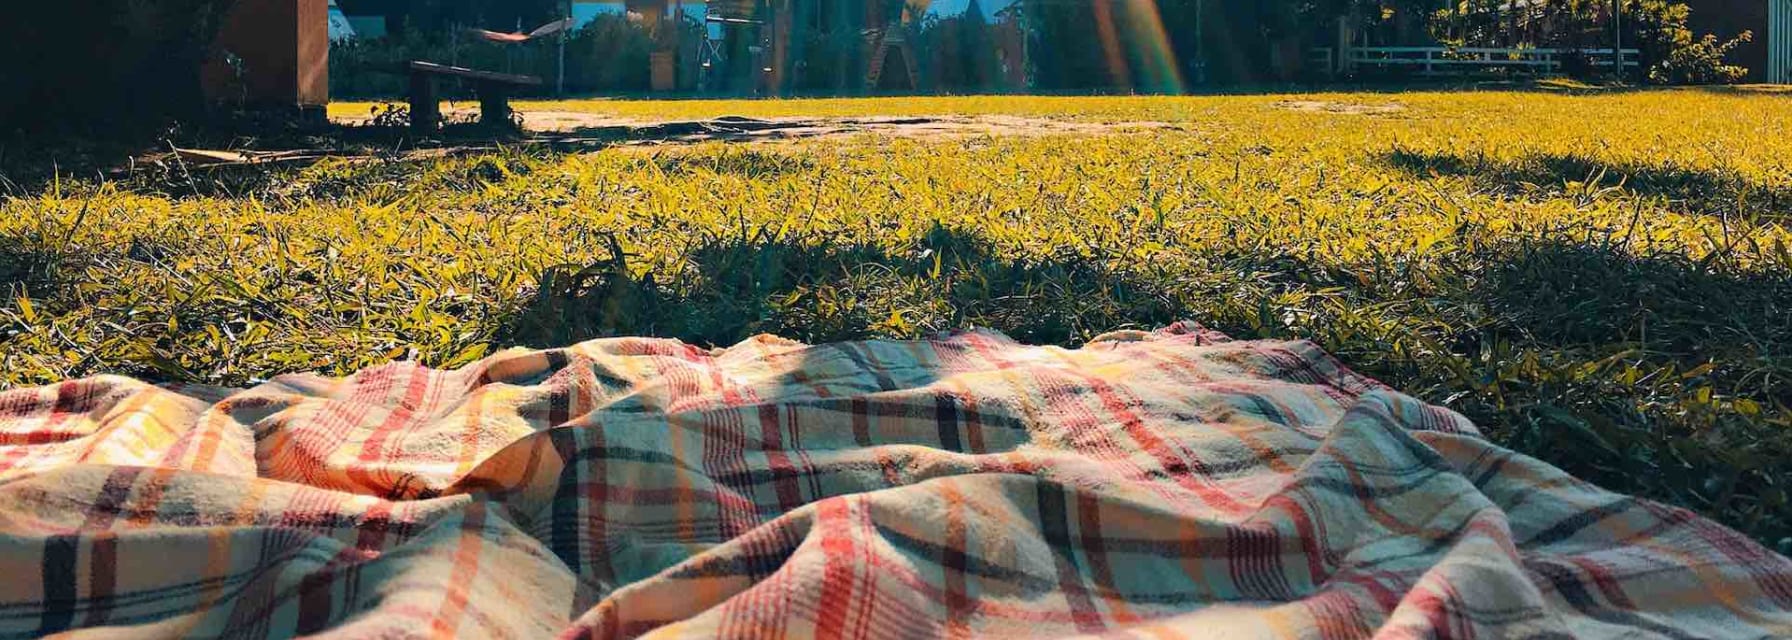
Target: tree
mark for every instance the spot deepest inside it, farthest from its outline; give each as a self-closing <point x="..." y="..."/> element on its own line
<point x="133" y="63"/>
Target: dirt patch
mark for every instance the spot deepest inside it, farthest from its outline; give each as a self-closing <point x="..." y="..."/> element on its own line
<point x="565" y="127"/>
<point x="573" y="128"/>
<point x="1324" y="106"/>
<point x="1769" y="89"/>
<point x="580" y="132"/>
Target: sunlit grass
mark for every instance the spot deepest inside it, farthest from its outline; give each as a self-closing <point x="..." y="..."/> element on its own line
<point x="1602" y="280"/>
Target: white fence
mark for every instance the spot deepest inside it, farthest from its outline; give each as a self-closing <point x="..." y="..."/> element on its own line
<point x="1779" y="41"/>
<point x="1448" y="61"/>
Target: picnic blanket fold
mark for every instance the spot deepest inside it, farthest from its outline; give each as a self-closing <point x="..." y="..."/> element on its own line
<point x="1170" y="484"/>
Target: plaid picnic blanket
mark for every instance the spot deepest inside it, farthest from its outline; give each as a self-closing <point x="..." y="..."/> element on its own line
<point x="1153" y="485"/>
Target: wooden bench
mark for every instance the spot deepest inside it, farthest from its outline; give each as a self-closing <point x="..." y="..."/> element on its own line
<point x="492" y="88"/>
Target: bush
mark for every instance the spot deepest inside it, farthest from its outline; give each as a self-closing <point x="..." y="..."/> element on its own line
<point x="607" y="55"/>
<point x="130" y="63"/>
<point x="1701" y="62"/>
<point x="1669" y="52"/>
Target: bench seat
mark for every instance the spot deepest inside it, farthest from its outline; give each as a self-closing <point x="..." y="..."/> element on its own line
<point x="493" y="89"/>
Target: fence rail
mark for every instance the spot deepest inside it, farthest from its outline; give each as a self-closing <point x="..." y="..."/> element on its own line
<point x="1455" y="61"/>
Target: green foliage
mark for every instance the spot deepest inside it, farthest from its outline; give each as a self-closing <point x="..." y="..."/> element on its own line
<point x="1701" y="62"/>
<point x="607" y="55"/>
<point x="1670" y="52"/>
<point x="1223" y="41"/>
<point x="958" y="54"/>
<point x="104" y="64"/>
<point x="1603" y="281"/>
<point x="491" y="14"/>
<point x="829" y="61"/>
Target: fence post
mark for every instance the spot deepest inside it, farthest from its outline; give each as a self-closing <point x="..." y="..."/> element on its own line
<point x="1618" y="38"/>
<point x="1779" y="41"/>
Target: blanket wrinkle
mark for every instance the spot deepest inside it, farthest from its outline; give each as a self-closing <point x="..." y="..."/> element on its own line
<point x="1173" y="483"/>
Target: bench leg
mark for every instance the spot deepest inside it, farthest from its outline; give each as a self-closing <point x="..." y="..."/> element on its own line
<point x="494" y="105"/>
<point x="426" y="113"/>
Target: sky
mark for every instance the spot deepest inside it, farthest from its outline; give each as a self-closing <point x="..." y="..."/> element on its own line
<point x="585" y="12"/>
<point x="950" y="8"/>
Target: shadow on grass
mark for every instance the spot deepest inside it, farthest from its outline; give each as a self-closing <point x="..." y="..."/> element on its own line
<point x="1656" y="375"/>
<point x="26" y="269"/>
<point x="1590" y="294"/>
<point x="821" y="290"/>
<point x="746" y="163"/>
<point x="1699" y="191"/>
<point x="32" y="163"/>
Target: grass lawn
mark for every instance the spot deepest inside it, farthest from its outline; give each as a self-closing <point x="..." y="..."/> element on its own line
<point x="1601" y="280"/>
